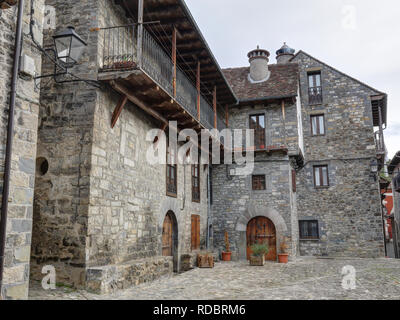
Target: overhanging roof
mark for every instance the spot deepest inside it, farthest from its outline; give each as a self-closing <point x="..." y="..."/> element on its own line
<point x="191" y="45"/>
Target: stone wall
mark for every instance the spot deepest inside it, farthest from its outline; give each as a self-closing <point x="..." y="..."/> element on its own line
<point x="279" y="129"/>
<point x="101" y="203"/>
<point x="60" y="219"/>
<point x="19" y="222"/>
<point x="348" y="212"/>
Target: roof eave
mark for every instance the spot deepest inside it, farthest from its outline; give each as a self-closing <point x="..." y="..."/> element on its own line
<point x="193" y="21"/>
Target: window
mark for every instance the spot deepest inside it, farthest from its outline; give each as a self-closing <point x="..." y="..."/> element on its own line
<point x="321" y="177"/>
<point x="171" y="173"/>
<point x="314" y="88"/>
<point x="309" y="230"/>
<point x="318" y="125"/>
<point x="195" y="232"/>
<point x="257" y="122"/>
<point x="258" y="182"/>
<point x="196" y="183"/>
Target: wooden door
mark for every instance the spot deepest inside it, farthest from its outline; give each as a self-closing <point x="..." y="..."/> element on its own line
<point x="262" y="230"/>
<point x="195" y="232"/>
<point x="167" y="236"/>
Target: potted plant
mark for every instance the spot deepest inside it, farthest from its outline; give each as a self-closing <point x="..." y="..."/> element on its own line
<point x="283" y="256"/>
<point x="259" y="251"/>
<point x="227" y="254"/>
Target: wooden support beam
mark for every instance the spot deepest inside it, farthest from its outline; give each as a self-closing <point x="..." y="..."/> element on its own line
<point x="118" y="109"/>
<point x="174" y="34"/>
<point x="125" y="91"/>
<point x="215" y="106"/>
<point x="283" y="110"/>
<point x="140" y="32"/>
<point x="198" y="89"/>
<point x="122" y="89"/>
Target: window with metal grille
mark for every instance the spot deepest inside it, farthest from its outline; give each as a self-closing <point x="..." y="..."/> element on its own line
<point x="321" y="176"/>
<point x="314" y="88"/>
<point x="257" y="122"/>
<point x="196" y="183"/>
<point x="171" y="173"/>
<point x="309" y="229"/>
<point x="318" y="125"/>
<point x="258" y="182"/>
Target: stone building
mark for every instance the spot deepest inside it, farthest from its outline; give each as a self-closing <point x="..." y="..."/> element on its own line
<point x="316" y="145"/>
<point x="85" y="199"/>
<point x="17" y="235"/>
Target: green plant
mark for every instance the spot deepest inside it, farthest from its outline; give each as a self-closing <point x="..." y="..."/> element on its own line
<point x="227" y="247"/>
<point x="259" y="250"/>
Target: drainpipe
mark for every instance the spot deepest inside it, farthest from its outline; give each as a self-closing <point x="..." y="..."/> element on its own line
<point x="10" y="135"/>
<point x="209" y="218"/>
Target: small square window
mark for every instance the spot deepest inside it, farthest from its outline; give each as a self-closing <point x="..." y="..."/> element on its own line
<point x="258" y="182"/>
<point x="321" y="176"/>
<point x="309" y="229"/>
<point x="318" y="125"/>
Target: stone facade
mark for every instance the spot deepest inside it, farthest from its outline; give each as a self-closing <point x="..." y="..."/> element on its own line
<point x="349" y="211"/>
<point x="100" y="205"/>
<point x="234" y="201"/>
<point x="19" y="222"/>
<point x="85" y="200"/>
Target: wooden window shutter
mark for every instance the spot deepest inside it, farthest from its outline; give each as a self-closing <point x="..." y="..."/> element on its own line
<point x="294" y="180"/>
<point x="195" y="242"/>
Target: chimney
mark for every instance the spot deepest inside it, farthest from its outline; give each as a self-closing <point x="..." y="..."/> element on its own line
<point x="258" y="65"/>
<point x="284" y="54"/>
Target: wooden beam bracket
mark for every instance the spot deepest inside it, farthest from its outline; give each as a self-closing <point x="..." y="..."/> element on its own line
<point x="118" y="109"/>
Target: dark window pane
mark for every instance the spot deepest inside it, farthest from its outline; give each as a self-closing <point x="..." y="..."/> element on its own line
<point x="309" y="229"/>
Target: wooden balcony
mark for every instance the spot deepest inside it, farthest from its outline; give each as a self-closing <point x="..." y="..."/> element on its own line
<point x="141" y="70"/>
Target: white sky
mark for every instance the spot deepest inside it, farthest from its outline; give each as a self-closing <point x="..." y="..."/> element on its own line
<point x="359" y="37"/>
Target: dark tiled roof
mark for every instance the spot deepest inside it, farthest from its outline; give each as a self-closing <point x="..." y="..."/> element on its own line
<point x="283" y="82"/>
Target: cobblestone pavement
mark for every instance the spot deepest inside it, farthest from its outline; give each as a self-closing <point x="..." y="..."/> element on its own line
<point x="305" y="278"/>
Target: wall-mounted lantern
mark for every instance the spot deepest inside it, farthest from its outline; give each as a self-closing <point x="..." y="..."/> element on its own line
<point x="69" y="46"/>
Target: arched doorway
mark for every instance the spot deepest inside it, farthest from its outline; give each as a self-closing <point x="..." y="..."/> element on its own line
<point x="262" y="230"/>
<point x="170" y="238"/>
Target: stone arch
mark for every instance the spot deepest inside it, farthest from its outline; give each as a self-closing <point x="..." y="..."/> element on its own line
<point x="171" y="206"/>
<point x="254" y="211"/>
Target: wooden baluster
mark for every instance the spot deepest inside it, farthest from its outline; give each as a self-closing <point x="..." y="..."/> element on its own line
<point x="198" y="89"/>
<point x="215" y="106"/>
<point x="174" y="59"/>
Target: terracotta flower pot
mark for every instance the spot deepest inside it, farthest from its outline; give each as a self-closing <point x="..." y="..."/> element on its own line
<point x="226" y="256"/>
<point x="283" y="258"/>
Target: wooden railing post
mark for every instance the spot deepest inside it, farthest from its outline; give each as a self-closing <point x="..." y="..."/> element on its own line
<point x="215" y="106"/>
<point x="198" y="90"/>
<point x="174" y="32"/>
<point x="140" y="33"/>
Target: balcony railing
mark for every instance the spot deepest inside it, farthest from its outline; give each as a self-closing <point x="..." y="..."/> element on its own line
<point x="120" y="54"/>
<point x="315" y="95"/>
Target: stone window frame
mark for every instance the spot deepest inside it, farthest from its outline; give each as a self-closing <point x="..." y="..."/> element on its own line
<point x="327" y="173"/>
<point x="196" y="196"/>
<point x="256" y="113"/>
<point x="316" y="115"/>
<point x="169" y="168"/>
<point x="310" y="71"/>
<point x="310" y="219"/>
<point x="264" y="185"/>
